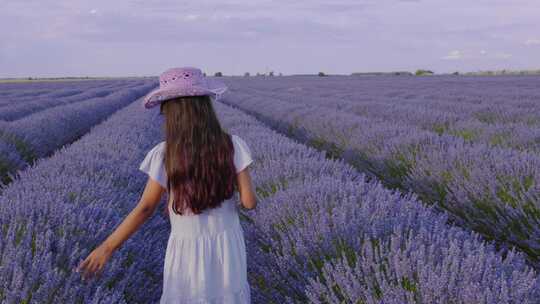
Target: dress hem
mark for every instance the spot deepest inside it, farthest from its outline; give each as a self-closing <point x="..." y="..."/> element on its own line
<point x="241" y="296"/>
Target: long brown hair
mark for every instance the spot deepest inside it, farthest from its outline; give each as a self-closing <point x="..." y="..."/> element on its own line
<point x="198" y="155"/>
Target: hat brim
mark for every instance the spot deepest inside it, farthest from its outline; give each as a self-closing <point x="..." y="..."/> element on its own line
<point x="159" y="95"/>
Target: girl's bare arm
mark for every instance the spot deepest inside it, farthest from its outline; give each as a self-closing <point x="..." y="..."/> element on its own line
<point x="248" y="196"/>
<point x="95" y="261"/>
<point x="144" y="209"/>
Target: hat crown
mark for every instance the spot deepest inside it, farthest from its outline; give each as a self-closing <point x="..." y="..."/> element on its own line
<point x="186" y="76"/>
<point x="183" y="81"/>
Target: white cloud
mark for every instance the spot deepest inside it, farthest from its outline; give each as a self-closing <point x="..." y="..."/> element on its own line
<point x="483" y="52"/>
<point x="453" y="55"/>
<point x="532" y="41"/>
<point x="93" y="11"/>
<point x="191" y="17"/>
<point x="502" y="55"/>
<point x="249" y="34"/>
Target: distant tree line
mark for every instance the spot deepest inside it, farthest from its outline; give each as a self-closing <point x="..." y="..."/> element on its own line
<point x="423" y="72"/>
<point x="504" y="72"/>
<point x="397" y="73"/>
<point x="269" y="74"/>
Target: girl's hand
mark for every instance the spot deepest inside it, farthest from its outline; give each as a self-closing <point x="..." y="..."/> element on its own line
<point x="95" y="261"/>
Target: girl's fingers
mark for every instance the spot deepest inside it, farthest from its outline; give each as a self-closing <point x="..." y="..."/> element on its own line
<point x="90" y="267"/>
<point x="89" y="270"/>
<point x="82" y="265"/>
<point x="96" y="270"/>
<point x="99" y="271"/>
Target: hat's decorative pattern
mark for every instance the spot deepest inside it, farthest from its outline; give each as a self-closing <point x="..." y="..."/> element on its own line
<point x="186" y="81"/>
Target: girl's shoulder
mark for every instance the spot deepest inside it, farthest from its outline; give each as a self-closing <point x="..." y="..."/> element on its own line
<point x="157" y="152"/>
<point x="242" y="153"/>
<point x="159" y="147"/>
<point x="238" y="141"/>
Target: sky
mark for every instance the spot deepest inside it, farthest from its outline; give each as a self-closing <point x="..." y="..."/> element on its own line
<point x="46" y="38"/>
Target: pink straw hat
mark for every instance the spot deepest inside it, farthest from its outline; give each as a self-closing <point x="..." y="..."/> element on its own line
<point x="185" y="81"/>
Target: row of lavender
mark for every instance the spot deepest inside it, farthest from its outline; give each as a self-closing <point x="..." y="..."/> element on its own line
<point x="320" y="234"/>
<point x="521" y="136"/>
<point x="11" y="92"/>
<point x="39" y="134"/>
<point x="491" y="190"/>
<point x="32" y="89"/>
<point x="17" y="106"/>
<point x="503" y="111"/>
<point x="489" y="99"/>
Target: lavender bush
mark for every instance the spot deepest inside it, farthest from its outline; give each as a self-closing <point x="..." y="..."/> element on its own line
<point x="10" y="161"/>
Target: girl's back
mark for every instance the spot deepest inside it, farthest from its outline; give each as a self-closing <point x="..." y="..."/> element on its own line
<point x="205" y="258"/>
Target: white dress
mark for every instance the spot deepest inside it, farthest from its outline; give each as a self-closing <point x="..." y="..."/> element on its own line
<point x="205" y="260"/>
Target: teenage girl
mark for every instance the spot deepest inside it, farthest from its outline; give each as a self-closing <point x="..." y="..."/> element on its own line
<point x="199" y="166"/>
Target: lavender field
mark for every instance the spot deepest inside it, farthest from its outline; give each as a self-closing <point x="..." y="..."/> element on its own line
<point x="468" y="145"/>
<point x="38" y="118"/>
<point x="373" y="190"/>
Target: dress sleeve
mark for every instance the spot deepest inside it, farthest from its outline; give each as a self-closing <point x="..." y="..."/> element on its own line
<point x="242" y="153"/>
<point x="153" y="166"/>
